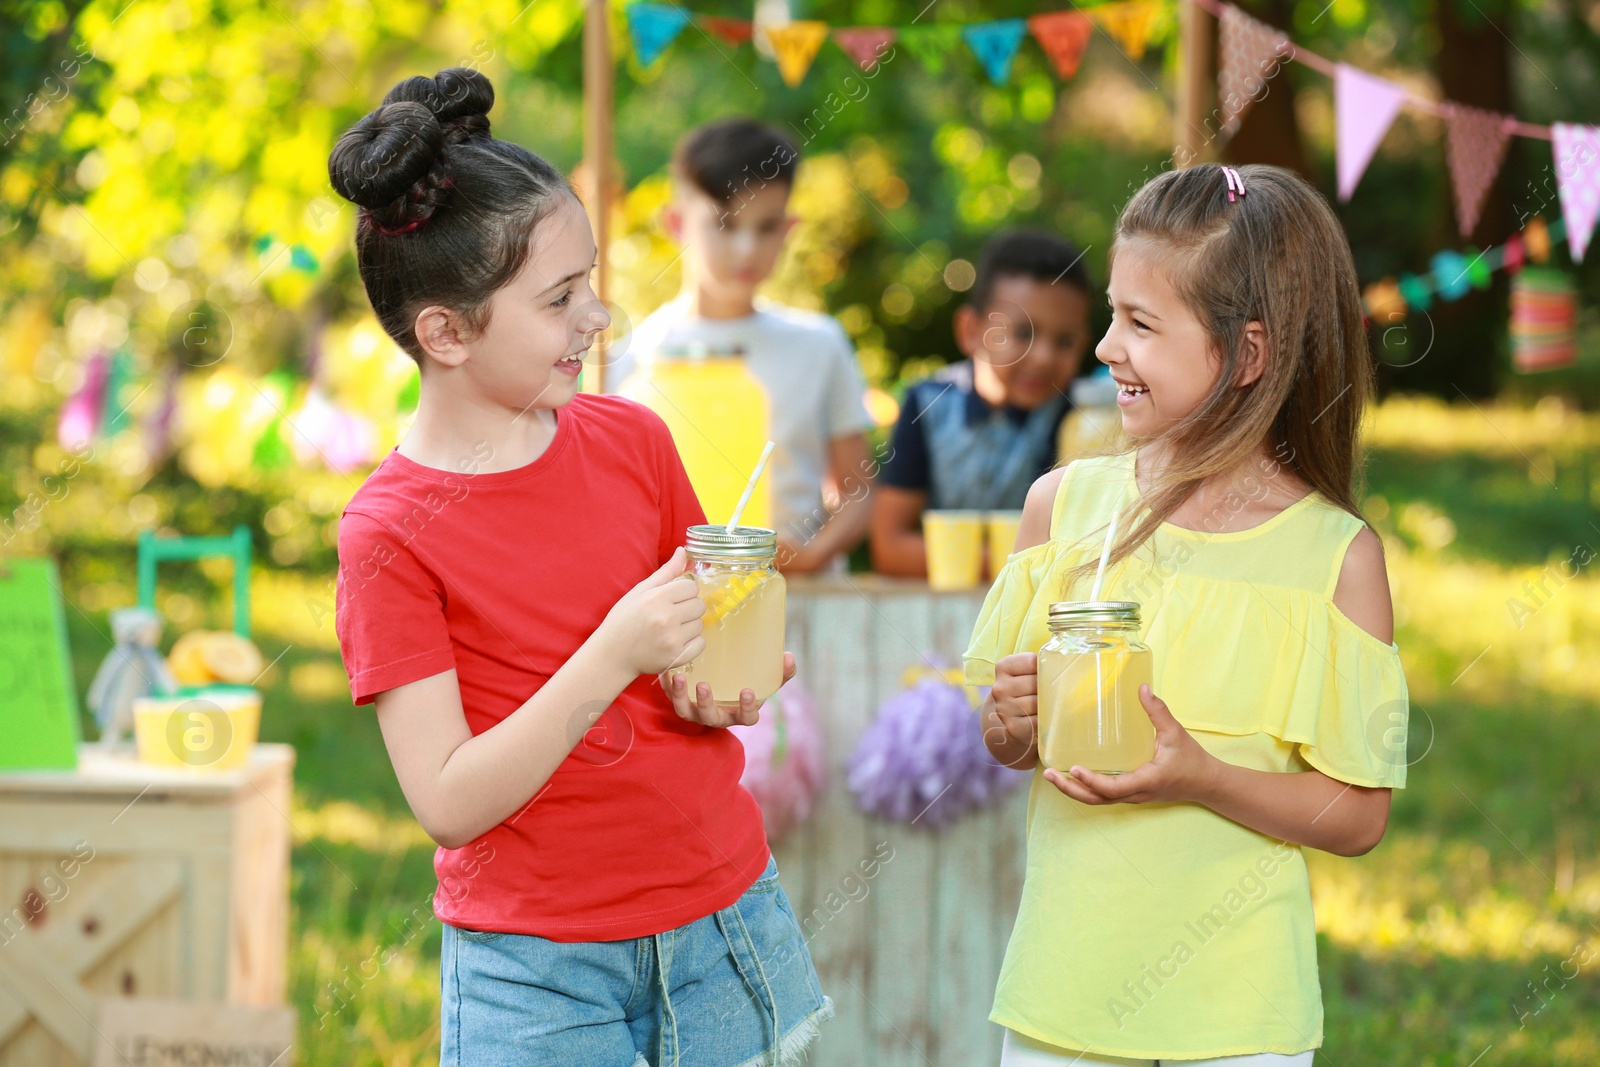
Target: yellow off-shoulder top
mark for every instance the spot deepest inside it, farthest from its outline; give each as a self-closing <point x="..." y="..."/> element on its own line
<point x="1162" y="931"/>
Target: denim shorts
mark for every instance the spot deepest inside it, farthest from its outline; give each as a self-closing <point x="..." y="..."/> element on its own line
<point x="735" y="988"/>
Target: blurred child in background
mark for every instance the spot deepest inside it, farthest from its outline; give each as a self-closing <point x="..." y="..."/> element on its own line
<point x="977" y="434"/>
<point x="729" y="211"/>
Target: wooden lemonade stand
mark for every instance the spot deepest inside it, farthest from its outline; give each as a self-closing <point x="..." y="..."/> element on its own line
<point x="137" y="901"/>
<point x="120" y="879"/>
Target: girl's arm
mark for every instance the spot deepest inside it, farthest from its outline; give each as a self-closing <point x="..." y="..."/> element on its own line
<point x="460" y="786"/>
<point x="1307" y="808"/>
<point x="1011" y="710"/>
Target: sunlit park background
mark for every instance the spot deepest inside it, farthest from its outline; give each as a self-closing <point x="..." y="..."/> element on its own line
<point x="169" y="233"/>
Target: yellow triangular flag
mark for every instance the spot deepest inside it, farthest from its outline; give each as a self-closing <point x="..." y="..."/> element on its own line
<point x="1129" y="22"/>
<point x="796" y="45"/>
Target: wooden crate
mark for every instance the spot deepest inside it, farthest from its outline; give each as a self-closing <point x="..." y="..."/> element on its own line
<point x="911" y="955"/>
<point x="119" y="879"/>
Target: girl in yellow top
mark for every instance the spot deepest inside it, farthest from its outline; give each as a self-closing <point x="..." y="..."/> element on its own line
<point x="1166" y="913"/>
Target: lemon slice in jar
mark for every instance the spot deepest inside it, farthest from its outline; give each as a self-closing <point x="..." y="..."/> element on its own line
<point x="724" y="598"/>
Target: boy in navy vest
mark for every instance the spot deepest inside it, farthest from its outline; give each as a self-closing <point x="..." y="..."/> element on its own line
<point x="977" y="434"/>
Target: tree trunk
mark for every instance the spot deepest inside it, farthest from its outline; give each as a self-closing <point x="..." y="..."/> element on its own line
<point x="1470" y="339"/>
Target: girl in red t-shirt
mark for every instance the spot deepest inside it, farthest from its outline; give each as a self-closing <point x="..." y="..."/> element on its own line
<point x="506" y="599"/>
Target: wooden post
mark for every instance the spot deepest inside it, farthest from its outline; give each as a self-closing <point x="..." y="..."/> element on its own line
<point x="1194" y="77"/>
<point x="596" y="184"/>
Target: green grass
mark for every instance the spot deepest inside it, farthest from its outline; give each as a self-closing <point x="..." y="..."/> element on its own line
<point x="1431" y="945"/>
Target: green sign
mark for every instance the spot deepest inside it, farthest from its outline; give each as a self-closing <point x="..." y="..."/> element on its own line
<point x="38" y="703"/>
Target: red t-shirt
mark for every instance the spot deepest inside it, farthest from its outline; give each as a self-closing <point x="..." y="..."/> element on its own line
<point x="644" y="827"/>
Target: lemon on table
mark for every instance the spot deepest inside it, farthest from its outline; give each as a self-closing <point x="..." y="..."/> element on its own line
<point x="185" y="662"/>
<point x="231" y="658"/>
<point x="723" y="598"/>
<point x="201" y="657"/>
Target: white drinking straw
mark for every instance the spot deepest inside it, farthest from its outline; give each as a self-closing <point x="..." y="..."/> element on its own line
<point x="1105" y="553"/>
<point x="750" y="487"/>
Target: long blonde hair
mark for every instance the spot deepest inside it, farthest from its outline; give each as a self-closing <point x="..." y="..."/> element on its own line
<point x="1277" y="256"/>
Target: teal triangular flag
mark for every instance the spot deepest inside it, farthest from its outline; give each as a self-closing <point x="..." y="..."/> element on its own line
<point x="653" y="27"/>
<point x="114" y="414"/>
<point x="995" y="44"/>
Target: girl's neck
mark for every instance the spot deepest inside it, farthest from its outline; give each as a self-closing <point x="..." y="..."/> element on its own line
<point x="466" y="436"/>
<point x="1263" y="469"/>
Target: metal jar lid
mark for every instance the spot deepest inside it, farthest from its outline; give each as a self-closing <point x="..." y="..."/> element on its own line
<point x="745" y="542"/>
<point x="1093" y="613"/>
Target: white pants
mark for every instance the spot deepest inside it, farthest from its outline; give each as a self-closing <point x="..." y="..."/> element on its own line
<point x="1021" y="1050"/>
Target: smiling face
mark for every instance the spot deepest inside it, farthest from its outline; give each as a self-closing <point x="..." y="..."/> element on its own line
<point x="1157" y="350"/>
<point x="732" y="247"/>
<point x="1030" y="337"/>
<point x="540" y="323"/>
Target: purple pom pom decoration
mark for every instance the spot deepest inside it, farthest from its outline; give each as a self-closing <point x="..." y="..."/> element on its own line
<point x="785" y="765"/>
<point x="922" y="760"/>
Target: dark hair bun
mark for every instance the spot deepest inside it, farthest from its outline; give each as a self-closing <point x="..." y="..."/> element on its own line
<point x="394" y="161"/>
<point x="460" y="98"/>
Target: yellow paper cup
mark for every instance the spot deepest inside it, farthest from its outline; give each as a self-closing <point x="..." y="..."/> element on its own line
<point x="1000" y="529"/>
<point x="955" y="548"/>
<point x="210" y="731"/>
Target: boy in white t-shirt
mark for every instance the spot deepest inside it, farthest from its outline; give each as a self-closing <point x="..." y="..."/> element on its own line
<point x="729" y="211"/>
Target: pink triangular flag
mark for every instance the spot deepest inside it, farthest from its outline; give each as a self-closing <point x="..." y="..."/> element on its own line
<point x="1364" y="108"/>
<point x="864" y="44"/>
<point x="1476" y="142"/>
<point x="1249" y="54"/>
<point x="1577" y="154"/>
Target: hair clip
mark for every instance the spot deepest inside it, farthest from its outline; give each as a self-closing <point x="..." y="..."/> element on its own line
<point x="1234" y="182"/>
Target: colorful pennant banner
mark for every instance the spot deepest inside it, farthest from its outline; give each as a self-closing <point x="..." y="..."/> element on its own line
<point x="1451" y="274"/>
<point x="1250" y="51"/>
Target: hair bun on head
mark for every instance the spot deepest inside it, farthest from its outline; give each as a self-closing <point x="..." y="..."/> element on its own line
<point x="394" y="162"/>
<point x="459" y="97"/>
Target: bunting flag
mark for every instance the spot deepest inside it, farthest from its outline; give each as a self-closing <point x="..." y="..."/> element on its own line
<point x="930" y="45"/>
<point x="654" y="27"/>
<point x="795" y="44"/>
<point x="1577" y="157"/>
<point x="865" y="44"/>
<point x="1063" y="35"/>
<point x="1536" y="240"/>
<point x="1451" y="274"/>
<point x="995" y="44"/>
<point x="1129" y="22"/>
<point x="84" y="412"/>
<point x="115" y="415"/>
<point x="735" y="31"/>
<point x="1248" y="50"/>
<point x="1475" y="143"/>
<point x="1364" y="108"/>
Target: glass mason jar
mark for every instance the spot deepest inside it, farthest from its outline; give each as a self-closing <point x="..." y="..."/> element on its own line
<point x="1089" y="676"/>
<point x="744" y="595"/>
